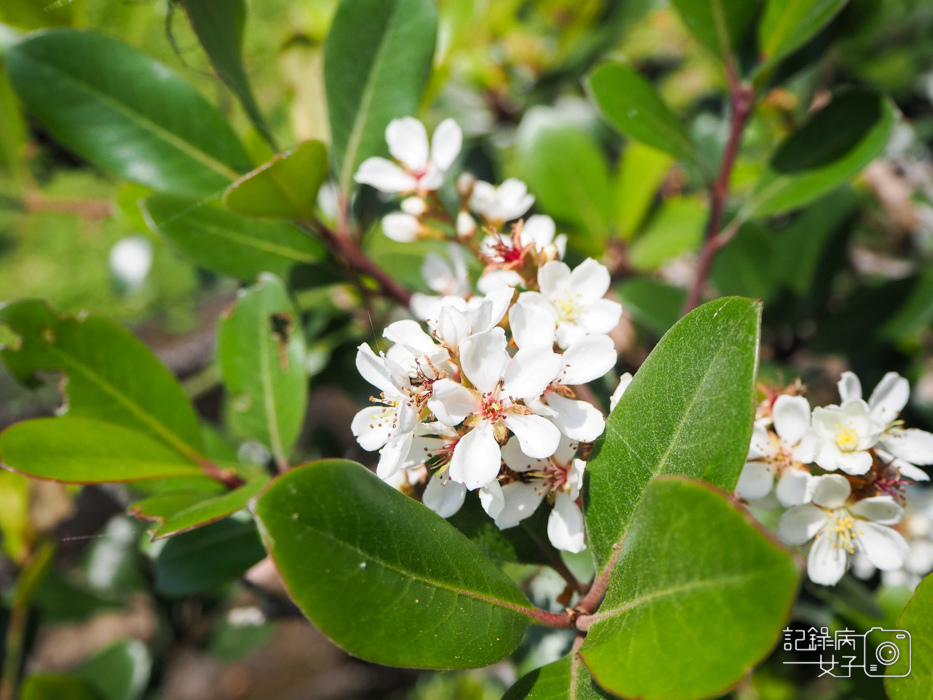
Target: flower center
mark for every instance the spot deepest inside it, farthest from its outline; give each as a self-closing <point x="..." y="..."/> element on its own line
<point x="846" y="438"/>
<point x="386" y="415"/>
<point x="842" y="532"/>
<point x="493" y="407"/>
<point x="569" y="307"/>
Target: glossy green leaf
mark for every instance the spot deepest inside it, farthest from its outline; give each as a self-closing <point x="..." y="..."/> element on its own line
<point x="675" y="230"/>
<point x="698" y="596"/>
<point x="219" y="26"/>
<point x="641" y="172"/>
<point x="917" y="620"/>
<point x="526" y="543"/>
<point x="284" y="188"/>
<point x="124" y="112"/>
<point x="79" y="450"/>
<point x="632" y="105"/>
<point x="376" y="553"/>
<point x="53" y="687"/>
<point x="652" y="303"/>
<point x="111" y="374"/>
<point x="377" y="60"/>
<point x="182" y="511"/>
<point x="717" y="24"/>
<point x="209" y="557"/>
<point x="262" y="353"/>
<point x="830" y="148"/>
<point x="688" y="411"/>
<point x="119" y="672"/>
<point x="567" y="678"/>
<point x="788" y="24"/>
<point x="566" y="171"/>
<point x="227" y="243"/>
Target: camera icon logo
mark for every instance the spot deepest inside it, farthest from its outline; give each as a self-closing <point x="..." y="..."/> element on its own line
<point x="894" y="648"/>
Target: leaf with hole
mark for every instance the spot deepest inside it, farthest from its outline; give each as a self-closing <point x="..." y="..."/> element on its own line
<point x="688" y="411"/>
<point x="390" y="560"/>
<point x="685" y="615"/>
<point x="124" y="112"/>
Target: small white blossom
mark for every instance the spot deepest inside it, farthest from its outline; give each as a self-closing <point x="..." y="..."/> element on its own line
<point x="844" y="434"/>
<point x="497" y="205"/>
<point x="419" y="167"/>
<point x="575" y="299"/>
<point x="840" y="530"/>
<point x="402" y="227"/>
<point x="131" y="259"/>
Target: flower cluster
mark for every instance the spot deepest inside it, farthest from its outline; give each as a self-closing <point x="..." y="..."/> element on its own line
<point x="479" y="392"/>
<point x="841" y="471"/>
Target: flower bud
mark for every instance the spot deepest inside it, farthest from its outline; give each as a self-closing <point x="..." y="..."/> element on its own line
<point x="465" y="185"/>
<point x="415" y="206"/>
<point x="466" y="225"/>
<point x="401" y="227"/>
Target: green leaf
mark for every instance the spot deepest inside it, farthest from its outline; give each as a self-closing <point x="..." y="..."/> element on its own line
<point x="526" y="543"/>
<point x="567" y="172"/>
<point x="78" y="450"/>
<point x="567" y="678"/>
<point x="389" y="559"/>
<point x="917" y="620"/>
<point x="717" y="24"/>
<point x="284" y="188"/>
<point x="209" y="557"/>
<point x="830" y="148"/>
<point x="182" y="511"/>
<point x="124" y="112"/>
<point x="111" y="374"/>
<point x="119" y="672"/>
<point x="377" y="61"/>
<point x="632" y="105"/>
<point x="641" y="172"/>
<point x="698" y="596"/>
<point x="746" y="267"/>
<point x="52" y="687"/>
<point x="227" y="243"/>
<point x="29" y="14"/>
<point x="262" y="352"/>
<point x="653" y="303"/>
<point x="219" y="26"/>
<point x="688" y="411"/>
<point x="675" y="230"/>
<point x="788" y="24"/>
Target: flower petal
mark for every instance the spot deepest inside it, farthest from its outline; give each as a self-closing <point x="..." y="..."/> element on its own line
<point x="624" y="381"/>
<point x="826" y="564"/>
<point x="370" y="428"/>
<point x="393" y="454"/>
<point x="911" y="445"/>
<point x="578" y="420"/>
<point x="884" y="546"/>
<point x="410" y="334"/>
<point x="484" y="358"/>
<point x="531" y="326"/>
<point x="401" y="227"/>
<point x="795" y="487"/>
<point x="831" y="490"/>
<point x="801" y="524"/>
<point x="760" y="445"/>
<point x="521" y="500"/>
<point x="755" y="481"/>
<point x="452" y="402"/>
<point x="446" y="144"/>
<point x="497" y="279"/>
<point x="444" y="496"/>
<point x="375" y="370"/>
<point x="600" y="315"/>
<point x="384" y="175"/>
<point x="538" y="230"/>
<point x="880" y="509"/>
<point x="587" y="359"/>
<point x="590" y="279"/>
<point x="565" y="525"/>
<point x="518" y="461"/>
<point x="791" y="415"/>
<point x="530" y="372"/>
<point x="491" y="498"/>
<point x="408" y="142"/>
<point x="889" y="398"/>
<point x="453" y="326"/>
<point x="477" y="459"/>
<point x="850" y="388"/>
<point x="538" y="436"/>
<point x="553" y="278"/>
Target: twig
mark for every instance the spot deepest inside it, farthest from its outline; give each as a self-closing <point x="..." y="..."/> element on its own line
<point x="742" y="98"/>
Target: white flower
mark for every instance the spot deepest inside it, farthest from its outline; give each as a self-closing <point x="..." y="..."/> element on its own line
<point x="507" y="202"/>
<point x="575" y="299"/>
<point x="907" y="447"/>
<point x="422" y="166"/>
<point x="540" y="231"/>
<point x="447" y="277"/>
<point x="131" y="259"/>
<point x="782" y="453"/>
<point x="490" y="407"/>
<point x="388" y="425"/>
<point x="559" y="477"/>
<point x="844" y="435"/>
<point x="624" y="381"/>
<point x="401" y="227"/>
<point x="588" y="358"/>
<point x="839" y="530"/>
